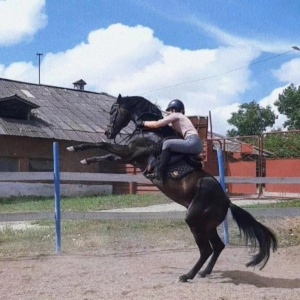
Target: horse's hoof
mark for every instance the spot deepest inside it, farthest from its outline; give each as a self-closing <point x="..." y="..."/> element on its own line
<point x="183" y="278"/>
<point x="71" y="149"/>
<point x="202" y="274"/>
<point x="84" y="162"/>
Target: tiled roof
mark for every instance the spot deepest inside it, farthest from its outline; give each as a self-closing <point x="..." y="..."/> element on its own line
<point x="61" y="113"/>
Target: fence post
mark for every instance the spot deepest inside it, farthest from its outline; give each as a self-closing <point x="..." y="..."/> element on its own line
<point x="57" y="197"/>
<point x="222" y="183"/>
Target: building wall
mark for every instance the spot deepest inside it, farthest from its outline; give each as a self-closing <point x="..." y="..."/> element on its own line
<point x="24" y="154"/>
<point x="32" y="154"/>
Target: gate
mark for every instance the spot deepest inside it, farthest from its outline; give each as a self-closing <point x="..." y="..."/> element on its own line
<point x="267" y="165"/>
<point x="242" y="157"/>
<point x="281" y="159"/>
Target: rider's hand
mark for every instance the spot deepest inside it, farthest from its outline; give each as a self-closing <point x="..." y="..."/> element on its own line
<point x="139" y="123"/>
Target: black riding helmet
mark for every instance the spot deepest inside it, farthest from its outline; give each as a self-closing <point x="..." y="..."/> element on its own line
<point x="177" y="105"/>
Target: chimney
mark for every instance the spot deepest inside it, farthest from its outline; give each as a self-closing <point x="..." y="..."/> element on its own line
<point x="79" y="85"/>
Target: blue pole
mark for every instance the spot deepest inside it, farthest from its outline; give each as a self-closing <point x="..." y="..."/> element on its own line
<point x="57" y="197"/>
<point x="222" y="183"/>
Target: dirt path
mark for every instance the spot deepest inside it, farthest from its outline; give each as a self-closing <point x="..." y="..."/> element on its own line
<point x="149" y="275"/>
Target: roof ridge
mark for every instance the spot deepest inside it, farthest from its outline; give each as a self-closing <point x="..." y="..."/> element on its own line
<point x="54" y="86"/>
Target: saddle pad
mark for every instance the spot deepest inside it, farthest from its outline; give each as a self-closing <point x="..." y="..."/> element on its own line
<point x="178" y="170"/>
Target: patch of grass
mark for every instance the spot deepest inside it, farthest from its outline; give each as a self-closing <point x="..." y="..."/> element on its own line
<point x="280" y="204"/>
<point x="94" y="236"/>
<point x="27" y="241"/>
<point x="80" y="204"/>
<point x="98" y="203"/>
<point x="121" y="236"/>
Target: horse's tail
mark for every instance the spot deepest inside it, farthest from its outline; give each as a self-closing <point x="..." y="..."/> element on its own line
<point x="254" y="232"/>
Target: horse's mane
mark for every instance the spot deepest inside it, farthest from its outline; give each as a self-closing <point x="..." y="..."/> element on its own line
<point x="145" y="110"/>
<point x="138" y="106"/>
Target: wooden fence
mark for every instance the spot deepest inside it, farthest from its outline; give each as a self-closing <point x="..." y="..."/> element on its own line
<point x="103" y="179"/>
<point x="72" y="184"/>
<point x="99" y="178"/>
<point x="71" y="177"/>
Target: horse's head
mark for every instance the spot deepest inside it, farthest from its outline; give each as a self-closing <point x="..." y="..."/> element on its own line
<point x="119" y="118"/>
<point x="127" y="109"/>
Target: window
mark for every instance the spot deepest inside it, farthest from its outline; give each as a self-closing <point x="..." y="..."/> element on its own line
<point x="40" y="165"/>
<point x="9" y="164"/>
<point x="15" y="107"/>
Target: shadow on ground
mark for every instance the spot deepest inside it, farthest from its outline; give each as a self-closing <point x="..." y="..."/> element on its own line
<point x="250" y="278"/>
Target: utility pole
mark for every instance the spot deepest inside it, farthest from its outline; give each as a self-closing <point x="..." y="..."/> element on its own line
<point x="39" y="55"/>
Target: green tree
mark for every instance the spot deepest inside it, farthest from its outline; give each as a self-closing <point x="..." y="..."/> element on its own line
<point x="282" y="144"/>
<point x="251" y="119"/>
<point x="288" y="104"/>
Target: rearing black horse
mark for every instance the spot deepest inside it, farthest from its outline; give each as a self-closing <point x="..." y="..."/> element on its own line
<point x="198" y="191"/>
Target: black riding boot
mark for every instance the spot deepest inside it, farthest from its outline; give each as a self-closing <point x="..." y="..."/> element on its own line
<point x="163" y="162"/>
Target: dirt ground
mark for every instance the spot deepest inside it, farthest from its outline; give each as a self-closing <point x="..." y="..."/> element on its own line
<point x="149" y="274"/>
<point x="131" y="261"/>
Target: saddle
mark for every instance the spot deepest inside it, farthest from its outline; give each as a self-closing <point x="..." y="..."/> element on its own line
<point x="180" y="164"/>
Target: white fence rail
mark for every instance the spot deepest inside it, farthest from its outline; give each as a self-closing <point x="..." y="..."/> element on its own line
<point x="112" y="177"/>
<point x="72" y="184"/>
<point x="46" y="178"/>
<point x="71" y="177"/>
<point x="88" y="184"/>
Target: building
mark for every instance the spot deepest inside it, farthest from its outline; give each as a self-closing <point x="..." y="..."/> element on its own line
<point x="33" y="116"/>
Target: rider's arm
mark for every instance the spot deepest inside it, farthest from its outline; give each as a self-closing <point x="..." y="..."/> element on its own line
<point x="160" y="123"/>
<point x="151" y="124"/>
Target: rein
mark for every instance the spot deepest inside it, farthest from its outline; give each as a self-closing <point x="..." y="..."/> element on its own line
<point x="114" y="113"/>
<point x="126" y="138"/>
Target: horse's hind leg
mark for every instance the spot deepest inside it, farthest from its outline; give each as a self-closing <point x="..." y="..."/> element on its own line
<point x="217" y="246"/>
<point x="203" y="219"/>
<point x="107" y="157"/>
<point x="197" y="227"/>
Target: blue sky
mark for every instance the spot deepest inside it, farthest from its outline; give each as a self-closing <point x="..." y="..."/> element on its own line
<point x="213" y="55"/>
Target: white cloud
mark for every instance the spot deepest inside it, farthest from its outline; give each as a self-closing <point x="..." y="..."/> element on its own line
<point x="19" y="71"/>
<point x="20" y="19"/>
<point x="269" y="100"/>
<point x="289" y="72"/>
<point x="132" y="61"/>
<point x="220" y="115"/>
<point x="240" y="41"/>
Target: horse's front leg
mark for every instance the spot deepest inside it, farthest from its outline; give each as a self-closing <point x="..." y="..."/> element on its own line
<point x="123" y="151"/>
<point x="108" y="157"/>
<point x="83" y="147"/>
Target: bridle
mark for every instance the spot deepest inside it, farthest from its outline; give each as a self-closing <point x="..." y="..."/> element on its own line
<point x="114" y="112"/>
<point x="113" y="116"/>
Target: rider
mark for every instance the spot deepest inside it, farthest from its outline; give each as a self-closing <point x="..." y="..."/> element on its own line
<point x="191" y="142"/>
